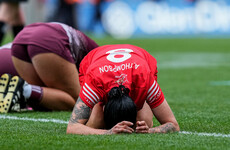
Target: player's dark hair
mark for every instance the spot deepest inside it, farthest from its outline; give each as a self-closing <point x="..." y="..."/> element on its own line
<point x="120" y="107"/>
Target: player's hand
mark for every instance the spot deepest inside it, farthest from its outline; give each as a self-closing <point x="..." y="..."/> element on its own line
<point x="121" y="127"/>
<point x="142" y="127"/>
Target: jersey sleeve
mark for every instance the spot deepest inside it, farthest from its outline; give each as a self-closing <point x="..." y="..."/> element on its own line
<point x="152" y="62"/>
<point x="91" y="92"/>
<point x="154" y="95"/>
<point x="84" y="65"/>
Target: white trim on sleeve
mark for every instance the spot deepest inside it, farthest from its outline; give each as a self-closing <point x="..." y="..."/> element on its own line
<point x="90" y="94"/>
<point x="152" y="92"/>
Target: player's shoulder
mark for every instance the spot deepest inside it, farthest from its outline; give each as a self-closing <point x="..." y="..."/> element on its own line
<point x="116" y="48"/>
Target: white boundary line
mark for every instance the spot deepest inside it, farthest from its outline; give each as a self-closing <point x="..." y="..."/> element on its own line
<point x="66" y="122"/>
<point x="33" y="119"/>
<point x="220" y="83"/>
<point x="206" y="134"/>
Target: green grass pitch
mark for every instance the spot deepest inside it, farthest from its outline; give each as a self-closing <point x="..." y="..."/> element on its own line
<point x="194" y="75"/>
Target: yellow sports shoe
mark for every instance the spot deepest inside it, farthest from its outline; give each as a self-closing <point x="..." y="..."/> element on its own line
<point x="4" y="82"/>
<point x="14" y="99"/>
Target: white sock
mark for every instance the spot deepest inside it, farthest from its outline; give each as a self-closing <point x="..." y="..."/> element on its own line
<point x="27" y="90"/>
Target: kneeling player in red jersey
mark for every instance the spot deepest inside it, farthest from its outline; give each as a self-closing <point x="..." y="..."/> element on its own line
<point x="47" y="57"/>
<point x="120" y="94"/>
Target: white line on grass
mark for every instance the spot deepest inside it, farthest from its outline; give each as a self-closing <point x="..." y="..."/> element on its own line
<point x="178" y="60"/>
<point x="220" y="83"/>
<point x="32" y="119"/>
<point x="206" y="134"/>
<point x="66" y="122"/>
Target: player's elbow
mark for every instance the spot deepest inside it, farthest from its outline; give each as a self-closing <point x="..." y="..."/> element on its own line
<point x="176" y="127"/>
<point x="69" y="129"/>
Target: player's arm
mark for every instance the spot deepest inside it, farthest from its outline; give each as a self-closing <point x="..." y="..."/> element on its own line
<point x="165" y="116"/>
<point x="80" y="116"/>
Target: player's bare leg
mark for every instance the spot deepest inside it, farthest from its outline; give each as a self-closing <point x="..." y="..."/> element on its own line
<point x="60" y="77"/>
<point x="27" y="72"/>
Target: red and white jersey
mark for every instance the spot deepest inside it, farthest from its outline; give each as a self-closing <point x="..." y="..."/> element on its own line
<point x="112" y="65"/>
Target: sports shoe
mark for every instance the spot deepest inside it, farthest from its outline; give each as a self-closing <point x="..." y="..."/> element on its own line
<point x="4" y="83"/>
<point x="14" y="99"/>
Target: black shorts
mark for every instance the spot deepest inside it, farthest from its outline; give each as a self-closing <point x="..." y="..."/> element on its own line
<point x="14" y="1"/>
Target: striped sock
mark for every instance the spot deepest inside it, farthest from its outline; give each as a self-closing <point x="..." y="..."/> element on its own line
<point x="32" y="93"/>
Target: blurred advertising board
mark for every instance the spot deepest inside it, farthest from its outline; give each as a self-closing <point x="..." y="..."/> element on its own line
<point x="149" y="18"/>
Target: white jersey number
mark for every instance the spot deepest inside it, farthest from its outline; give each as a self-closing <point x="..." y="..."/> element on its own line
<point x="119" y="55"/>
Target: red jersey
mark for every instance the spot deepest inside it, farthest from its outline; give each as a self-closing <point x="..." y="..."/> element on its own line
<point x="112" y="65"/>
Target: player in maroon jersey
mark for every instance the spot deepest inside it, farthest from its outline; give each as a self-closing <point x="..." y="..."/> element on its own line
<point x="119" y="85"/>
<point x="6" y="64"/>
<point x="47" y="57"/>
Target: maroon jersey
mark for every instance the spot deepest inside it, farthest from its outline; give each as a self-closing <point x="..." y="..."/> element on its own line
<point x="112" y="65"/>
<point x="6" y="64"/>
